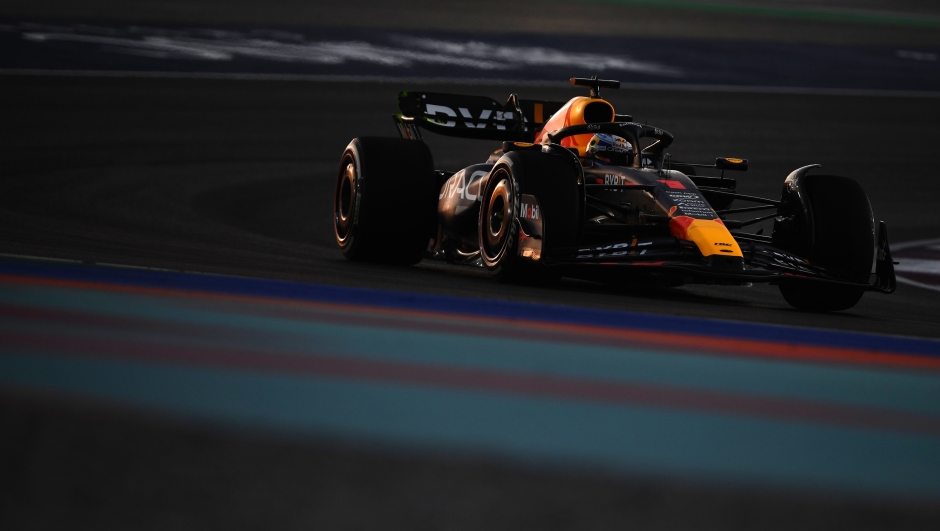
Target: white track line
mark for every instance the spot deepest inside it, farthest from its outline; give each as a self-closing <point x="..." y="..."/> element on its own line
<point x="915" y="243"/>
<point x="917" y="284"/>
<point x="908" y="245"/>
<point x="919" y="265"/>
<point x="89" y="263"/>
<point x="468" y="81"/>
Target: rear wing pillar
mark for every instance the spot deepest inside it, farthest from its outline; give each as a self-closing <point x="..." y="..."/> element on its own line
<point x="407" y="127"/>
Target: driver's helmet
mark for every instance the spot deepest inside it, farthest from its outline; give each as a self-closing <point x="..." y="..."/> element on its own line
<point x="610" y="149"/>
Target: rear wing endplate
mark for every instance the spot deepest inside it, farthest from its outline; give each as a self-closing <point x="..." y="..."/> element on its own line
<point x="476" y="117"/>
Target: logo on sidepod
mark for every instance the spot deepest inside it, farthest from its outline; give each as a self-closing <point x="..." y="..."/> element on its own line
<point x="723" y="244"/>
<point x="459" y="185"/>
<point x="529" y="211"/>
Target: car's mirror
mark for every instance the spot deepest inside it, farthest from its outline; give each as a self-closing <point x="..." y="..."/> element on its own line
<point x="731" y="163"/>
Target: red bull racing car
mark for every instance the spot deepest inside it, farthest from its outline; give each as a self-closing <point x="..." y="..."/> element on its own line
<point x="578" y="190"/>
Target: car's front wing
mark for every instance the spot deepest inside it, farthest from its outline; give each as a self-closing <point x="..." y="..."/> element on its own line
<point x="680" y="259"/>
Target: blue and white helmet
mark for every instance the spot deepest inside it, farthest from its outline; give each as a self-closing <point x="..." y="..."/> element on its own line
<point x="610" y="149"/>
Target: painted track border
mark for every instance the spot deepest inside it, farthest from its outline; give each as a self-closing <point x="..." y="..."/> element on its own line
<point x="496" y="309"/>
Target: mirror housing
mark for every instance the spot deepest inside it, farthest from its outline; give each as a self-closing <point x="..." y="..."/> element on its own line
<point x="731" y="163"/>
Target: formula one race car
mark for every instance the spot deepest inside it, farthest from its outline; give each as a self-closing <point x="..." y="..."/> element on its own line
<point x="578" y="190"/>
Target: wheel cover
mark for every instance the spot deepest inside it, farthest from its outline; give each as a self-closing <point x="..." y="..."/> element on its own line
<point x="344" y="201"/>
<point x="497" y="218"/>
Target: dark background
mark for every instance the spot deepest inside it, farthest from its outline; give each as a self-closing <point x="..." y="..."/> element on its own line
<point x="236" y="177"/>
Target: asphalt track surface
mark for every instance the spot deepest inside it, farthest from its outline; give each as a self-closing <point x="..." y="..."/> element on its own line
<point x="236" y="177"/>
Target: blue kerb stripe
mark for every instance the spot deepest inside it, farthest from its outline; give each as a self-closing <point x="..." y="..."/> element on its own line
<point x="463" y="305"/>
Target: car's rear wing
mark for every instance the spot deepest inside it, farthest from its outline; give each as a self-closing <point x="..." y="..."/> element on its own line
<point x="472" y="116"/>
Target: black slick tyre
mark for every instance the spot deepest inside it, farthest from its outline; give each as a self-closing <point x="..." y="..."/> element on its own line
<point x="834" y="228"/>
<point x="818" y="297"/>
<point x="385" y="200"/>
<point x="552" y="180"/>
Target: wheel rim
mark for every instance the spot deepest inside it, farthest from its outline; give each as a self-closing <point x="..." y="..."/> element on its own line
<point x="345" y="200"/>
<point x="497" y="218"/>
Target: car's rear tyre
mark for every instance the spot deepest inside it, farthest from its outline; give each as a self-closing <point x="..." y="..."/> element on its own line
<point x="385" y="200"/>
<point x="553" y="181"/>
<point x="830" y="223"/>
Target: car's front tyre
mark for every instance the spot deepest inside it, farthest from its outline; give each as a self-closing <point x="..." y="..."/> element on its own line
<point x="828" y="220"/>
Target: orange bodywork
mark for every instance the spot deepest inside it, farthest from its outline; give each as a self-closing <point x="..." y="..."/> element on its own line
<point x="710" y="235"/>
<point x="572" y="113"/>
